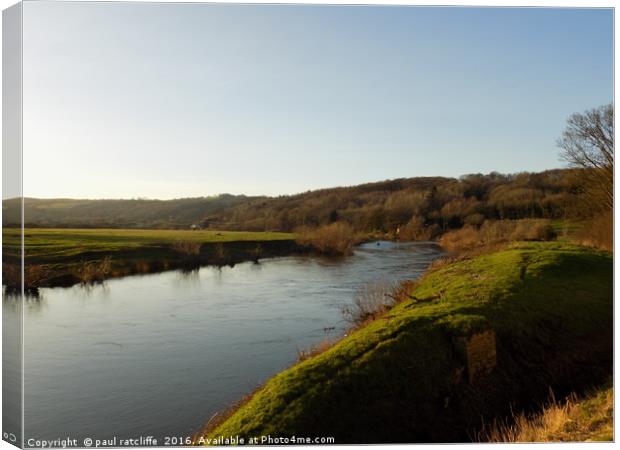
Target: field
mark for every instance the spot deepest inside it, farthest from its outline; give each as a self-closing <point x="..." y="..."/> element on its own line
<point x="59" y="244"/>
<point x="62" y="256"/>
<point x="405" y="376"/>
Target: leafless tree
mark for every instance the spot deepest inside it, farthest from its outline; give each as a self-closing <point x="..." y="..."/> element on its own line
<point x="588" y="143"/>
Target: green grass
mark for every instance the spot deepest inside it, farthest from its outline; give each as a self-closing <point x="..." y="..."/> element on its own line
<point x="396" y="379"/>
<point x="58" y="244"/>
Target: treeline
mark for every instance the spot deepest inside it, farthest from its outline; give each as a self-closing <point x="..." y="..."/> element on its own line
<point x="130" y="213"/>
<point x="419" y="208"/>
<point x="416" y="208"/>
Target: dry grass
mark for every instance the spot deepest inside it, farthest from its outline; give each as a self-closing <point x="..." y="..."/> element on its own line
<point x="219" y="251"/>
<point x="463" y="238"/>
<point x="569" y="421"/>
<point x="257" y="252"/>
<point x="337" y="238"/>
<point x="498" y="231"/>
<point x="599" y="232"/>
<point x="94" y="271"/>
<point x="189" y="248"/>
<point x="315" y="350"/>
<point x="532" y="230"/>
<point x="372" y="301"/>
<point x="35" y="275"/>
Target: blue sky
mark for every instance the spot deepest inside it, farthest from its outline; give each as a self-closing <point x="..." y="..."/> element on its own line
<point x="180" y="100"/>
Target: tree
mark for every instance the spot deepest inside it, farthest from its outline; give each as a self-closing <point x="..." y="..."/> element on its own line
<point x="588" y="143"/>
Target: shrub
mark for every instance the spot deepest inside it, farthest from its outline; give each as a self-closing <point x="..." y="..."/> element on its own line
<point x="498" y="231"/>
<point x="373" y="300"/>
<point x="189" y="248"/>
<point x="257" y="252"/>
<point x="35" y="276"/>
<point x="599" y="232"/>
<point x="533" y="230"/>
<point x="219" y="252"/>
<point x="475" y="220"/>
<point x="463" y="238"/>
<point x="337" y="238"/>
<point x="416" y="230"/>
<point x="94" y="271"/>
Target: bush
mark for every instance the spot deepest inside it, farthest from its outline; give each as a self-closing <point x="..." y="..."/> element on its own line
<point x="337" y="238"/>
<point x="533" y="230"/>
<point x="463" y="238"/>
<point x="35" y="276"/>
<point x="219" y="252"/>
<point x="416" y="230"/>
<point x="189" y="248"/>
<point x="95" y="271"/>
<point x="599" y="232"/>
<point x="475" y="220"/>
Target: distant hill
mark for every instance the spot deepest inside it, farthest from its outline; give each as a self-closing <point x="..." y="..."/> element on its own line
<point x="64" y="213"/>
<point x="412" y="204"/>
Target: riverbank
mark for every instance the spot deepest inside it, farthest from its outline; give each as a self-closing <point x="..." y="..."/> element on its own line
<point x="64" y="257"/>
<point x="476" y="339"/>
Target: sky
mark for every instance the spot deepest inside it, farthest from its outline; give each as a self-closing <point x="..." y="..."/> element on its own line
<point x="164" y="101"/>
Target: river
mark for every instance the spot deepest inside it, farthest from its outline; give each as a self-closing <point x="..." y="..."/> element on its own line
<point x="159" y="354"/>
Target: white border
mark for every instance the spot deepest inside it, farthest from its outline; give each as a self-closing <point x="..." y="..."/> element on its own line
<point x="489" y="3"/>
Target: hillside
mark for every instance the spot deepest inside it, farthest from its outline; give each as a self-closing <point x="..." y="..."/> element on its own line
<point x="477" y="339"/>
<point x="421" y="207"/>
<point x="68" y="213"/>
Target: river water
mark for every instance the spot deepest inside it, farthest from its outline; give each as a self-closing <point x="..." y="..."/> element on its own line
<point x="159" y="354"/>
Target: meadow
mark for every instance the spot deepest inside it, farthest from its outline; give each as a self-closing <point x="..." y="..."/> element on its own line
<point x="57" y="244"/>
<point x="68" y="256"/>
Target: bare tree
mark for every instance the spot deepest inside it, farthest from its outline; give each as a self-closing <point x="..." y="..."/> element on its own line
<point x="588" y="143"/>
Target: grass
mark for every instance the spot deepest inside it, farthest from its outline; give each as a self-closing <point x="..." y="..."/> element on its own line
<point x="575" y="420"/>
<point x="399" y="378"/>
<point x="60" y="243"/>
<point x="67" y="256"/>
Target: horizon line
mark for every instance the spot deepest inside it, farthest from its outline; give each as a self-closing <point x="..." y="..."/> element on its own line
<point x="221" y="194"/>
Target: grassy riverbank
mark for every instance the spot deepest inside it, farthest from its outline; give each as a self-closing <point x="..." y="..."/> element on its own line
<point x="68" y="256"/>
<point x="476" y="339"/>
